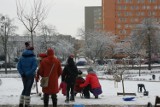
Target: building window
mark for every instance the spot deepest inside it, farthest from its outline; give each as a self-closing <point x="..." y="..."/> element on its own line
<point x="118" y="26"/>
<point x="140" y="1"/>
<point x="152" y="1"/>
<point x="144" y="7"/>
<point x="155" y="7"/>
<point x="138" y="13"/>
<point x="119" y="1"/>
<point x="136" y="19"/>
<point x="126" y="25"/>
<point x="151" y="13"/>
<point x="122" y="32"/>
<point x="134" y="7"/>
<point x="127" y="13"/>
<point x="122" y="19"/>
<point x="118" y="13"/>
<point x="128" y="1"/>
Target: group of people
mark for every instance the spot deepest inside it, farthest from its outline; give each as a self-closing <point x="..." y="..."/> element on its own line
<point x="50" y="64"/>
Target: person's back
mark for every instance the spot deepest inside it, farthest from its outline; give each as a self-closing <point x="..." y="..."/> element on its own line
<point x="27" y="68"/>
<point x="27" y="64"/>
<point x="69" y="75"/>
<point x="45" y="68"/>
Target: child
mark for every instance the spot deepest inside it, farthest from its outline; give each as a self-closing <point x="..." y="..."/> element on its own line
<point x="79" y="80"/>
<point x="41" y="56"/>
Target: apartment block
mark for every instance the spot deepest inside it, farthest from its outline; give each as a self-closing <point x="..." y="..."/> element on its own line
<point x="121" y="16"/>
<point x="93" y="18"/>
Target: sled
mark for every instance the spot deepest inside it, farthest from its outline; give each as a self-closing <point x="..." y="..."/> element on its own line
<point x="37" y="92"/>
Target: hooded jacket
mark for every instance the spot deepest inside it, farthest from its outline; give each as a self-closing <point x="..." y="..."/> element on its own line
<point x="27" y="64"/>
<point x="45" y="68"/>
<point x="91" y="79"/>
<point x="70" y="72"/>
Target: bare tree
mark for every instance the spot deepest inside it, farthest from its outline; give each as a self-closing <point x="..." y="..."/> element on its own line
<point x="99" y="44"/>
<point x="6" y="29"/>
<point x="31" y="18"/>
<point x="47" y="31"/>
<point x="145" y="37"/>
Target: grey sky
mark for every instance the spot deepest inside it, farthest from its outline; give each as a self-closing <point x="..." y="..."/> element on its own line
<point x="66" y="15"/>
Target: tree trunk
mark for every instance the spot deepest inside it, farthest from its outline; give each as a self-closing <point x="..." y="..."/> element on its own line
<point x="149" y="52"/>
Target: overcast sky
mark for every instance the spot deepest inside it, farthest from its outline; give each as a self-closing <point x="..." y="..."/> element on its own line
<point x="66" y="15"/>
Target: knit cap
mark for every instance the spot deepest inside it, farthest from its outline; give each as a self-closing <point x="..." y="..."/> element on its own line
<point x="90" y="70"/>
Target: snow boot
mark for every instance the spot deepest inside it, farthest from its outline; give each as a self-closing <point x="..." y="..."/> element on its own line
<point x="46" y="100"/>
<point x="96" y="97"/>
<point x="27" y="101"/>
<point x="54" y="100"/>
<point x="72" y="98"/>
<point x="67" y="100"/>
<point x="21" y="101"/>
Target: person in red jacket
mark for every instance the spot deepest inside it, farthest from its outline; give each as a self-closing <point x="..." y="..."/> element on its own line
<point x="44" y="70"/>
<point x="91" y="84"/>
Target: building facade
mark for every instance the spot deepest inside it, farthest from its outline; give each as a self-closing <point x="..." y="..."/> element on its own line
<point x="121" y="16"/>
<point x="93" y="18"/>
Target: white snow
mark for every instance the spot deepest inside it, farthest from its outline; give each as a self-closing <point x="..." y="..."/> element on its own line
<point x="10" y="90"/>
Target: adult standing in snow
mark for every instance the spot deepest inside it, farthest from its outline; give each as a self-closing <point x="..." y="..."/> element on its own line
<point x="69" y="75"/>
<point x="27" y="68"/>
<point x="45" y="67"/>
<point x="91" y="84"/>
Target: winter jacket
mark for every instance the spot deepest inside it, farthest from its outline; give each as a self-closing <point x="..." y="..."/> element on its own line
<point x="91" y="79"/>
<point x="70" y="72"/>
<point x="45" y="68"/>
<point x="27" y="64"/>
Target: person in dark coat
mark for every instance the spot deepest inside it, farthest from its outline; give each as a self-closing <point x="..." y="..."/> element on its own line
<point x="26" y="67"/>
<point x="69" y="75"/>
<point x="91" y="84"/>
<point x="45" y="68"/>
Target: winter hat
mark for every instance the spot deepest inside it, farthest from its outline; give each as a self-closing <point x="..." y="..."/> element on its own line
<point x="70" y="61"/>
<point x="71" y="56"/>
<point x="27" y="44"/>
<point x="90" y="70"/>
<point x="42" y="55"/>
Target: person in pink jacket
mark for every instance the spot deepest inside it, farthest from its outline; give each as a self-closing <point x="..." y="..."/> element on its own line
<point x="91" y="84"/>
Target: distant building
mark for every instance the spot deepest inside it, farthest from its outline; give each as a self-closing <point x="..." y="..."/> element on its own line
<point x="39" y="43"/>
<point x="93" y="18"/>
<point x="121" y="16"/>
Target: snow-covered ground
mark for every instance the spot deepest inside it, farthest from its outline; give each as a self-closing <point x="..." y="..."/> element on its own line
<point x="11" y="88"/>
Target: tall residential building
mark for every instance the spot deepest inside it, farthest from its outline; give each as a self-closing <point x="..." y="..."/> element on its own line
<point x="121" y="16"/>
<point x="93" y="18"/>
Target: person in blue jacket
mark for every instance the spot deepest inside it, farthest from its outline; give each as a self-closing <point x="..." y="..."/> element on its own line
<point x="26" y="67"/>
